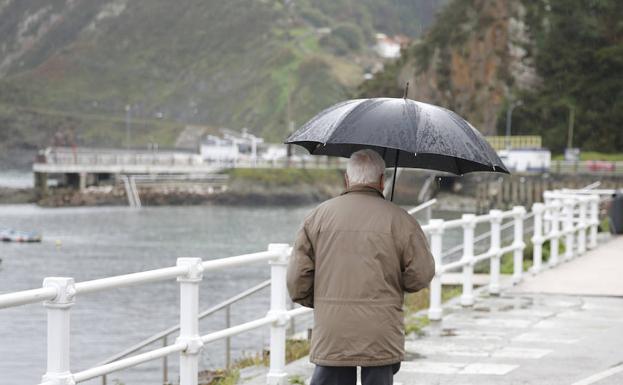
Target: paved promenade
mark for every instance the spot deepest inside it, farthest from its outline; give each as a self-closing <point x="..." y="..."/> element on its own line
<point x="564" y="326"/>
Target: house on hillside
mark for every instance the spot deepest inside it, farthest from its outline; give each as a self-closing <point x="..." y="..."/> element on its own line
<point x="389" y="47"/>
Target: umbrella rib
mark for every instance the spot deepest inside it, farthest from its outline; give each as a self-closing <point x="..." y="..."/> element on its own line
<point x="343" y="117"/>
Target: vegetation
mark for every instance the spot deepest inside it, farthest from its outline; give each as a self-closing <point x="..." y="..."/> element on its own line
<point x="594" y="155"/>
<point x="414" y="302"/>
<point x="577" y="46"/>
<point x="287" y="176"/>
<point x="296" y="380"/>
<point x="416" y="325"/>
<point x="258" y="64"/>
<point x="295" y="349"/>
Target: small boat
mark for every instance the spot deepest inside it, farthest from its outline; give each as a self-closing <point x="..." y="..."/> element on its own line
<point x="9" y="235"/>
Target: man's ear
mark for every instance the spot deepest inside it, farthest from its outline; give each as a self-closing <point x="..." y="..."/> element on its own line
<point x="382" y="184"/>
<point x="346" y="183"/>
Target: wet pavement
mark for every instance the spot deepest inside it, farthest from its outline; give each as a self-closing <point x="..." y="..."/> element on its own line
<point x="519" y="337"/>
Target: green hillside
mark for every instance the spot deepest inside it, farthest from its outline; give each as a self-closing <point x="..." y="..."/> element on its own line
<point x="73" y="67"/>
<point x="578" y="53"/>
<point x="559" y="58"/>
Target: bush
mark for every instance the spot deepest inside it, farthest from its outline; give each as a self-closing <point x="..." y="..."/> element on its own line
<point x="350" y="34"/>
<point x="315" y="17"/>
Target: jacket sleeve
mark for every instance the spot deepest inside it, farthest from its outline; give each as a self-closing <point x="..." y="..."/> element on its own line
<point x="419" y="265"/>
<point x="301" y="268"/>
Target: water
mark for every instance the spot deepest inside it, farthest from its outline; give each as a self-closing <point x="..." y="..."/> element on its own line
<point x="16" y="179"/>
<point x="99" y="242"/>
<point x="90" y="243"/>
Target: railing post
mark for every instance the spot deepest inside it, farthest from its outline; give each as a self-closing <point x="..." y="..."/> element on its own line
<point x="568" y="227"/>
<point x="228" y="339"/>
<point x="594" y="221"/>
<point x="278" y="292"/>
<point x="165" y="364"/>
<point x="554" y="234"/>
<point x="518" y="243"/>
<point x="189" y="321"/>
<point x="494" y="267"/>
<point x="58" y="369"/>
<point x="467" y="297"/>
<point x="537" y="238"/>
<point x="582" y="225"/>
<point x="547" y="216"/>
<point x="436" y="236"/>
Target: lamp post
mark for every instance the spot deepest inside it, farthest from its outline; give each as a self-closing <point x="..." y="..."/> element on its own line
<point x="509" y="113"/>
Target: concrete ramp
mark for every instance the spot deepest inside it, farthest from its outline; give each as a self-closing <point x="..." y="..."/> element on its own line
<point x="598" y="272"/>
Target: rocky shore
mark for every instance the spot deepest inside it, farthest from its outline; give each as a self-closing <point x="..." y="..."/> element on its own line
<point x="17" y="195"/>
<point x="244" y="187"/>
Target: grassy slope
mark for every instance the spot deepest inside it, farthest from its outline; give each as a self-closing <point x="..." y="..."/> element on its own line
<point x="236" y="63"/>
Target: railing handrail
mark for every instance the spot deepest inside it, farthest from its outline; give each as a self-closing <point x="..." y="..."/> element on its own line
<point x="422" y="206"/>
<point x="118" y="281"/>
<point x="485" y="235"/>
<point x="165" y="333"/>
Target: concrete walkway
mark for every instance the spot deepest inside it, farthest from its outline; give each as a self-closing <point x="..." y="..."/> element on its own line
<point x="562" y="327"/>
<point x="598" y="272"/>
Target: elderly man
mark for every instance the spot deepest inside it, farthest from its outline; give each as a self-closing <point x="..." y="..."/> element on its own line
<point x="354" y="258"/>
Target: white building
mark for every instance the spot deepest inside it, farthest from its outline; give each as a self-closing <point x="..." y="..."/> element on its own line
<point x="389" y="47"/>
<point x="526" y="159"/>
<point x="215" y="149"/>
<point x="275" y="152"/>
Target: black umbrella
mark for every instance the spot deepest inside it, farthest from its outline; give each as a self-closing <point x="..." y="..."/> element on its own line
<point x="404" y="132"/>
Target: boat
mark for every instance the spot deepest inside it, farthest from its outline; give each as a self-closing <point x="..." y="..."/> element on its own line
<point x="10" y="235"/>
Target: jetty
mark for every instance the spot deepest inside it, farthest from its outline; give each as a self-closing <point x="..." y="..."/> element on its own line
<point x="134" y="169"/>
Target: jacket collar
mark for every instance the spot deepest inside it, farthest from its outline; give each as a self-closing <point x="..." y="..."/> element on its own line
<point x="364" y="188"/>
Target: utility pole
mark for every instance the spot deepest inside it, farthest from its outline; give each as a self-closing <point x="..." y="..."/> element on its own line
<point x="509" y="117"/>
<point x="128" y="122"/>
<point x="571" y="122"/>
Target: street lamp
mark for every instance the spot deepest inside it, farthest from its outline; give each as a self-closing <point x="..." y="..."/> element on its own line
<point x="509" y="113"/>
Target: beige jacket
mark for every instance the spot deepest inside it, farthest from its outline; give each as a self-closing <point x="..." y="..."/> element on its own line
<point x="353" y="259"/>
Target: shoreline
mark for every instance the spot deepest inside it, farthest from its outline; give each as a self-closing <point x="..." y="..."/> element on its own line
<point x="155" y="197"/>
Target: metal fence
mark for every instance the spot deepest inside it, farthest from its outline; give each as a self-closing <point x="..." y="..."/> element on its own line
<point x="568" y="215"/>
<point x="101" y="158"/>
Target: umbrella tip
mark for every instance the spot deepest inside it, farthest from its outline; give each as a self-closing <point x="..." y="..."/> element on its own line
<point x="406" y="91"/>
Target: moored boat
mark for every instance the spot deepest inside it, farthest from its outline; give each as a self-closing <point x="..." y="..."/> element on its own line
<point x="10" y="235"/>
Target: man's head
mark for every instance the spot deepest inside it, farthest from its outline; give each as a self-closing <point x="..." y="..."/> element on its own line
<point x="365" y="167"/>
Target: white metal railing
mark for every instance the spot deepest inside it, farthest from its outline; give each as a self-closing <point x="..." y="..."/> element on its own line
<point x="97" y="157"/>
<point x="163" y="335"/>
<point x="58" y="295"/>
<point x="566" y="217"/>
<point x="569" y="216"/>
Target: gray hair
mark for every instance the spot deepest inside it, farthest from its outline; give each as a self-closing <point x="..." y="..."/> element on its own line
<point x="365" y="167"/>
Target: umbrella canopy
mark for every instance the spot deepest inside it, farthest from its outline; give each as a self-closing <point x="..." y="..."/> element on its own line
<point x="404" y="132"/>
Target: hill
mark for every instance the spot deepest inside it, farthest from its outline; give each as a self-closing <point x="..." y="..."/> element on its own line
<point x="561" y="59"/>
<point x="80" y="71"/>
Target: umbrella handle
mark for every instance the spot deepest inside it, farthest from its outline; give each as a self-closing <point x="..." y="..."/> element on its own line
<point x="395" y="173"/>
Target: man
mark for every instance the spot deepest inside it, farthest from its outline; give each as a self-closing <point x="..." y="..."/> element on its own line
<point x="354" y="258"/>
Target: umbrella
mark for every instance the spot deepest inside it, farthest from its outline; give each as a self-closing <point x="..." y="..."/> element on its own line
<point x="406" y="133"/>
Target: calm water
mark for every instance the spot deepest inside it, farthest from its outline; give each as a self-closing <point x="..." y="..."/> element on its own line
<point x="99" y="242"/>
<point x="16" y="179"/>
